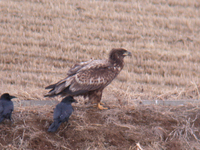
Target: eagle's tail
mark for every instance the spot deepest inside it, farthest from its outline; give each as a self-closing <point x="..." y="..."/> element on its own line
<point x="51" y="93"/>
<point x="59" y="89"/>
<point x="52" y="86"/>
<point x="54" y="126"/>
<point x="62" y="87"/>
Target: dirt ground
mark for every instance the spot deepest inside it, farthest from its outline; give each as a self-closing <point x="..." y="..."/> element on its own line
<point x="41" y="39"/>
<point x="120" y="128"/>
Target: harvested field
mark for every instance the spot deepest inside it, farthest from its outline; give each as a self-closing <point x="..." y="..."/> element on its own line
<point x="41" y="39"/>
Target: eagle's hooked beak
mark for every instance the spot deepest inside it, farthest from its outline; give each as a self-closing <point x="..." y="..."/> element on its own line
<point x="127" y="53"/>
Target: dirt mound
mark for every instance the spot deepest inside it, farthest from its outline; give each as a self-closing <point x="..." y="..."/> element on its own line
<point x="148" y="127"/>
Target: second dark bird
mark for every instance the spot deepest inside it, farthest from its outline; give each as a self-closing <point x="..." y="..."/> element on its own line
<point x="62" y="113"/>
<point x="6" y="106"/>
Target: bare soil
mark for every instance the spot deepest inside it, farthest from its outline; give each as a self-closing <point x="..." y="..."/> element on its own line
<point x="152" y="127"/>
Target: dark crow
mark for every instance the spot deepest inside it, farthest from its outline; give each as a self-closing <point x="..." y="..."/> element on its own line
<point x="62" y="113"/>
<point x="6" y="106"/>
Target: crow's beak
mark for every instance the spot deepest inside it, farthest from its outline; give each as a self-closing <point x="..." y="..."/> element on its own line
<point x="75" y="101"/>
<point x="11" y="97"/>
<point x="127" y="53"/>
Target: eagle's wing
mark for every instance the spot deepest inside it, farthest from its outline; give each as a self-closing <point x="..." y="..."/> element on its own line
<point x="64" y="83"/>
<point x="77" y="67"/>
<point x="92" y="77"/>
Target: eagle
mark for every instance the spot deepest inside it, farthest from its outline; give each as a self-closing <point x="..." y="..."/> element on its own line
<point x="89" y="78"/>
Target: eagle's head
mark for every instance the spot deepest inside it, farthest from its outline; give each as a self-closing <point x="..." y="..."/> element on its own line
<point x="117" y="55"/>
<point x="7" y="96"/>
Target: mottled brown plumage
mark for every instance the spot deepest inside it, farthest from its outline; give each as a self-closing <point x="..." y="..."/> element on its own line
<point x="91" y="77"/>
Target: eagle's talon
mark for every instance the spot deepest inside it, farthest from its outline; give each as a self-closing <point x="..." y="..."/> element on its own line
<point x="102" y="103"/>
<point x="101" y="107"/>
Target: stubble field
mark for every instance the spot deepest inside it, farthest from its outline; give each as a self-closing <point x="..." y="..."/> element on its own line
<point x="41" y="39"/>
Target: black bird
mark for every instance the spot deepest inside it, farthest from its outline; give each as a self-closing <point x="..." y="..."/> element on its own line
<point x="62" y="113"/>
<point x="6" y="106"/>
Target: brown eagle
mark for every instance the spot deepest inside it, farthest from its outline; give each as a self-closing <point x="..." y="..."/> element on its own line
<point x="90" y="78"/>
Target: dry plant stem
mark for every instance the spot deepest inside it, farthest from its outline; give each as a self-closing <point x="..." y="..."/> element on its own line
<point x="138" y="146"/>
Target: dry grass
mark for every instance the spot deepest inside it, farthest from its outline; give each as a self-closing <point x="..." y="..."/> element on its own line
<point x="41" y="39"/>
<point x="149" y="128"/>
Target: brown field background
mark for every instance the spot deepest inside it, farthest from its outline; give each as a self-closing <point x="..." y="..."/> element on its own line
<point x="41" y="39"/>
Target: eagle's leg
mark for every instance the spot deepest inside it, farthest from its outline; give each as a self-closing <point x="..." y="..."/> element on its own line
<point x="99" y="103"/>
<point x="95" y="97"/>
<point x="102" y="103"/>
